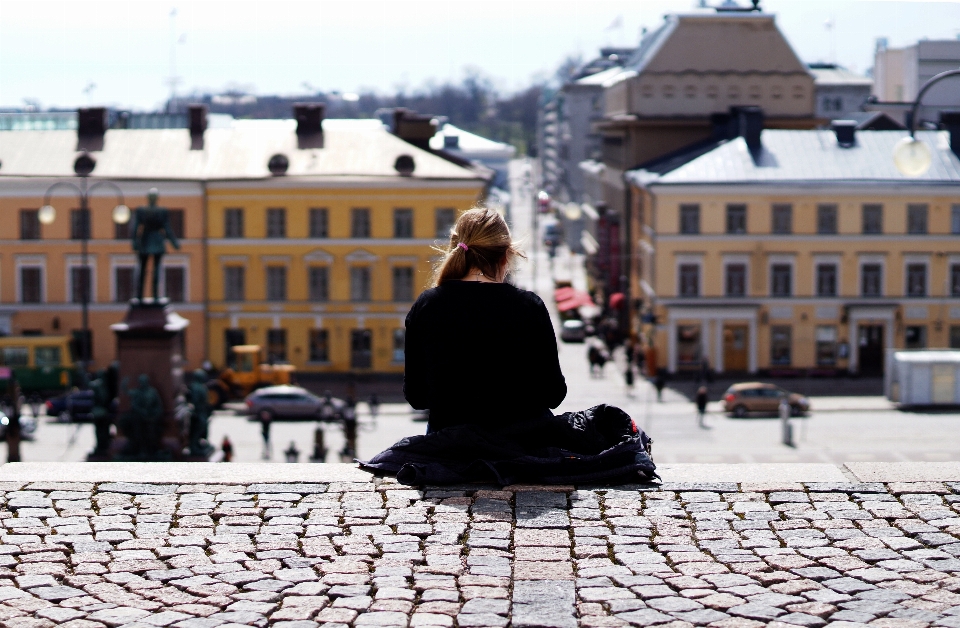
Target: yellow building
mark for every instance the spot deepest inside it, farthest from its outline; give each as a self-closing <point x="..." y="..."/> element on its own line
<point x="797" y="252"/>
<point x="310" y="237"/>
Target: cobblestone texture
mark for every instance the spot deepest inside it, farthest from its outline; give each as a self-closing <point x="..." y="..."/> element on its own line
<point x="82" y="555"/>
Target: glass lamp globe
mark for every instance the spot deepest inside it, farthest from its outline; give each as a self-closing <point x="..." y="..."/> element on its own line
<point x="572" y="211"/>
<point x="47" y="214"/>
<point x="121" y="214"/>
<point x="912" y="157"/>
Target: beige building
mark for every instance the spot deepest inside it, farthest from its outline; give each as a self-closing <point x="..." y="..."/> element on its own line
<point x="797" y="252"/>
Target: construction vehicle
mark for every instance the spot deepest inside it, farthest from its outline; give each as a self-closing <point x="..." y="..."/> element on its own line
<point x="245" y="373"/>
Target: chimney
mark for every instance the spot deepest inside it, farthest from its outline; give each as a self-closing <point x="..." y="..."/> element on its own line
<point x="309" y="116"/>
<point x="414" y="128"/>
<point x="91" y="127"/>
<point x="751" y="126"/>
<point x="198" y="124"/>
<point x="950" y="121"/>
<point x="846" y="132"/>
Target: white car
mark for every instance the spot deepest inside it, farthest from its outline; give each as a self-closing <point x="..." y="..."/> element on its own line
<point x="573" y="331"/>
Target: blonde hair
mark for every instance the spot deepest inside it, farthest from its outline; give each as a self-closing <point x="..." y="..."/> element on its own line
<point x="486" y="242"/>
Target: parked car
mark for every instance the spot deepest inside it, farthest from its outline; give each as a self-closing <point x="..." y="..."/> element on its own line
<point x="742" y="399"/>
<point x="573" y="330"/>
<point x="293" y="403"/>
<point x="72" y="407"/>
<point x="28" y="426"/>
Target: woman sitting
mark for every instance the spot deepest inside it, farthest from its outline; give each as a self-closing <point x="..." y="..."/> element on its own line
<point x="481" y="357"/>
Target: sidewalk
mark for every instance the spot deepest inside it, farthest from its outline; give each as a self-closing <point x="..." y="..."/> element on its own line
<point x="298" y="546"/>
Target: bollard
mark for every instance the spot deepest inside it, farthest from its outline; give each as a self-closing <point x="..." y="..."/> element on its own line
<point x="786" y="429"/>
<point x="319" y="451"/>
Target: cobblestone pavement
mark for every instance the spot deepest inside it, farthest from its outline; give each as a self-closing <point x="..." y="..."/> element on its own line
<point x="85" y="555"/>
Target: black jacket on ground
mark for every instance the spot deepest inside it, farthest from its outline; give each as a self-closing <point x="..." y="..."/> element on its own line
<point x="481" y="353"/>
<point x="599" y="445"/>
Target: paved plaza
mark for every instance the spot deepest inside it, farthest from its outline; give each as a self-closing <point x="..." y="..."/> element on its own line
<point x="348" y="549"/>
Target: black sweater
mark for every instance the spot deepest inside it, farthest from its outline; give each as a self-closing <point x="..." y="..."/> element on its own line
<point x="481" y="353"/>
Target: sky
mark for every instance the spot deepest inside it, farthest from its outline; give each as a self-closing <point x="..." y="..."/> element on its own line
<point x="70" y="53"/>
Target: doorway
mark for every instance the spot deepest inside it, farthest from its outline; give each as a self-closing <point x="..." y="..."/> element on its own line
<point x="870" y="350"/>
<point x="734" y="348"/>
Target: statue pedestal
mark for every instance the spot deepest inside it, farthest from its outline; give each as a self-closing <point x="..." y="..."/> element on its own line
<point x="150" y="341"/>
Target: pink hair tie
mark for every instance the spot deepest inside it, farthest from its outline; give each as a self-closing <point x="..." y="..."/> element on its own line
<point x="463" y="246"/>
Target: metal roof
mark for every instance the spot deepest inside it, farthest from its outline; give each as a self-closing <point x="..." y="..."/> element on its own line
<point x="351" y="148"/>
<point x="789" y="156"/>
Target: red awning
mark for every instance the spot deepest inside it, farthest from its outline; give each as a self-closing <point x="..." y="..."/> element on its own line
<point x="616" y="300"/>
<point x="562" y="294"/>
<point x="578" y="299"/>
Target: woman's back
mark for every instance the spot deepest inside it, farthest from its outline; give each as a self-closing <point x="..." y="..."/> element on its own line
<point x="479" y="352"/>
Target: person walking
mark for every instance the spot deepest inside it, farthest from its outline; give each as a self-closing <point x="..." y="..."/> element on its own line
<point x="660" y="382"/>
<point x="265" y="420"/>
<point x="701" y="405"/>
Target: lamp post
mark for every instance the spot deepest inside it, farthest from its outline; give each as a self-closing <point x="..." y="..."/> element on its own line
<point x="83" y="166"/>
<point x="911" y="156"/>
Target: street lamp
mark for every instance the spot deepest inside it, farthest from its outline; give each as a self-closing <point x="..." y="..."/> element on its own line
<point x="83" y="166"/>
<point x="911" y="156"/>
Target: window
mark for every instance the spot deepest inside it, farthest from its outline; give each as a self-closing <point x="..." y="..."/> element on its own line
<point x="29" y="224"/>
<point x="231" y="338"/>
<point x="31" y="284"/>
<point x="782" y="222"/>
<point x="826" y="280"/>
<point x="276" y="222"/>
<point x="916" y="280"/>
<point x="176" y="222"/>
<point x="233" y="223"/>
<point x="689" y="280"/>
<point x="688" y="345"/>
<point x="14" y="356"/>
<point x="872" y="219"/>
<point x="79" y="284"/>
<point x="736" y="280"/>
<point x="446" y="218"/>
<point x="361" y="352"/>
<point x="955" y="219"/>
<point x="955" y="336"/>
<point x="826" y="219"/>
<point x="83" y="341"/>
<point x="780" y="345"/>
<point x="360" y="223"/>
<point x="360" y="283"/>
<point x="403" y="223"/>
<point x="736" y="218"/>
<point x="124" y="283"/>
<point x="319" y="345"/>
<point x="276" y="283"/>
<point x="403" y="283"/>
<point x="319" y="223"/>
<point x="690" y="219"/>
<point x="276" y="345"/>
<point x="916" y="219"/>
<point x="79" y="224"/>
<point x="319" y="278"/>
<point x="915" y="337"/>
<point x="46" y="356"/>
<point x="234" y="284"/>
<point x="399" y="344"/>
<point x="174" y="283"/>
<point x="826" y="345"/>
<point x="121" y="231"/>
<point x="871" y="280"/>
<point x="955" y="280"/>
<point x="781" y="276"/>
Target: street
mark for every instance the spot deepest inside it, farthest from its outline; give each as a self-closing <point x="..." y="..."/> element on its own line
<point x="841" y="427"/>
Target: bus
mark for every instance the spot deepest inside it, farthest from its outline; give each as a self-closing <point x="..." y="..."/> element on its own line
<point x="41" y="364"/>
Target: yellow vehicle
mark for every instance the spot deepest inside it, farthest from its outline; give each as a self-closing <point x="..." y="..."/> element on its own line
<point x="41" y="364"/>
<point x="245" y="373"/>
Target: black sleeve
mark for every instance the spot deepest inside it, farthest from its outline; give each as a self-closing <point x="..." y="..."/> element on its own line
<point x="552" y="386"/>
<point x="415" y="366"/>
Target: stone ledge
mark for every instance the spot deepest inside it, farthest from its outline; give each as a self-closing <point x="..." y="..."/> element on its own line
<point x="905" y="471"/>
<point x="180" y="472"/>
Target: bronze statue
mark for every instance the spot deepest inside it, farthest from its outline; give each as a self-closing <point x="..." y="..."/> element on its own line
<point x="142" y="423"/>
<point x="103" y="413"/>
<point x="197" y="394"/>
<point x="149" y="230"/>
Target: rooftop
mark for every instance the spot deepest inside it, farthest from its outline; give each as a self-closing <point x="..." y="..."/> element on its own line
<point x="351" y="148"/>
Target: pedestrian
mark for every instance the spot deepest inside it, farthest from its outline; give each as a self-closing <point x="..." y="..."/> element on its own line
<point x="701" y="404"/>
<point x="265" y="420"/>
<point x="227" y="447"/>
<point x="374" y="405"/>
<point x="628" y="379"/>
<point x="660" y="382"/>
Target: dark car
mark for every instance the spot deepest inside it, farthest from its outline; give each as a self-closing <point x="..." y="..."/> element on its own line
<point x="742" y="399"/>
<point x="72" y="407"/>
<point x="293" y="403"/>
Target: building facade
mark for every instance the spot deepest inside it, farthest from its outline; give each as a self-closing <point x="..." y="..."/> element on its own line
<point x="899" y="73"/>
<point x="805" y="254"/>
